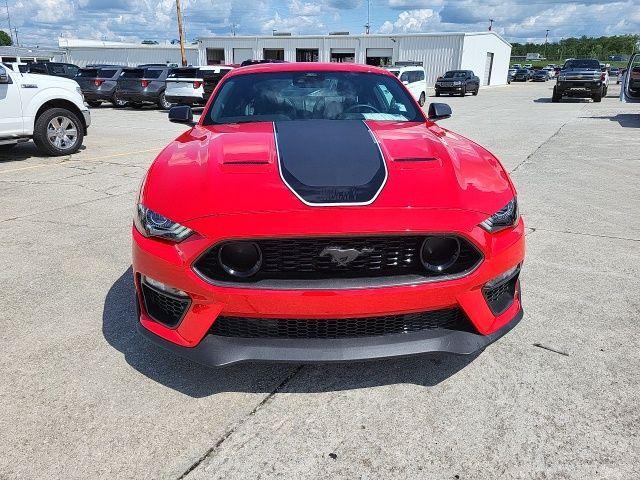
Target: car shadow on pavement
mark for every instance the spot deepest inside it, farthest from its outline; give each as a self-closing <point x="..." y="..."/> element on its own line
<point x="626" y="120"/>
<point x="119" y="327"/>
<point x="564" y="100"/>
<point x="25" y="151"/>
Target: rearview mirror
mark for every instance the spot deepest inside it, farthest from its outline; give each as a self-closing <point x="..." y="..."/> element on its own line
<point x="439" y="111"/>
<point x="181" y="114"/>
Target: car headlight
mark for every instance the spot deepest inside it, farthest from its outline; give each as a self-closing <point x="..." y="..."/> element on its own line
<point x="506" y="217"/>
<point x="153" y="224"/>
<point x="457" y="83"/>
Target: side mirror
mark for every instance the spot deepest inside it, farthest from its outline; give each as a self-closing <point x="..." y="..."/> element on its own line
<point x="181" y="114"/>
<point x="439" y="111"/>
<point x="4" y="77"/>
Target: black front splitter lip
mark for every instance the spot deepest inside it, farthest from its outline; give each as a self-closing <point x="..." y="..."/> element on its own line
<point x="216" y="351"/>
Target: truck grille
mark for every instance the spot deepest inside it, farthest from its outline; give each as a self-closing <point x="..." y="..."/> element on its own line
<point x="450" y="318"/>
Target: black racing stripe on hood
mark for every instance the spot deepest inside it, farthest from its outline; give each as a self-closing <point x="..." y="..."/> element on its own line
<point x="330" y="161"/>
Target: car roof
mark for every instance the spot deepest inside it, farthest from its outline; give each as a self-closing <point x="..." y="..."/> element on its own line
<point x="308" y="67"/>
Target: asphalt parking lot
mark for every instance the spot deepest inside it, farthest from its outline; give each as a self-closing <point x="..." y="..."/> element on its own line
<point x="84" y="396"/>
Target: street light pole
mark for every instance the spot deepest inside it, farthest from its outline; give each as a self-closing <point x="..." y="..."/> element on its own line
<point x="367" y="27"/>
<point x="6" y="4"/>
<point x="546" y="39"/>
<point x="490" y="24"/>
<point x="183" y="54"/>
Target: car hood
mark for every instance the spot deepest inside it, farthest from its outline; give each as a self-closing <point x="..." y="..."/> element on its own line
<point x="235" y="169"/>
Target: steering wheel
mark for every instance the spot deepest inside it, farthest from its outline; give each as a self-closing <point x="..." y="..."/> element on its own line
<point x="366" y="106"/>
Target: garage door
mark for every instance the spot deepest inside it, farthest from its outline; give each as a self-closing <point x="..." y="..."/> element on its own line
<point x="242" y="54"/>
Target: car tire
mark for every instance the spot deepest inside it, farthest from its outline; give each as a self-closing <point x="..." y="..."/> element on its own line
<point x="475" y="92"/>
<point x="437" y="93"/>
<point x="463" y="92"/>
<point x="163" y="103"/>
<point x="118" y="103"/>
<point x="597" y="97"/>
<point x="52" y="132"/>
<point x="556" y="97"/>
<point x="94" y="103"/>
<point x="422" y="99"/>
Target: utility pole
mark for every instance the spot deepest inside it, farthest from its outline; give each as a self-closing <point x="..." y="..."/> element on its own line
<point x="546" y="39"/>
<point x="367" y="27"/>
<point x="17" y="41"/>
<point x="183" y="55"/>
<point x="6" y="4"/>
<point x="233" y="28"/>
<point x="490" y="24"/>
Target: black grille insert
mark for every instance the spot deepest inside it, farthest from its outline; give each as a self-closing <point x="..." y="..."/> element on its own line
<point x="162" y="307"/>
<point x="450" y="318"/>
<point x="303" y="259"/>
<point x="500" y="297"/>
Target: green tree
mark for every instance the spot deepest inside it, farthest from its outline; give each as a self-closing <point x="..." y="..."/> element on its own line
<point x="5" y="39"/>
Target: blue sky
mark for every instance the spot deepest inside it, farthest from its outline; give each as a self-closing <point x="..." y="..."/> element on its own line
<point x="41" y="22"/>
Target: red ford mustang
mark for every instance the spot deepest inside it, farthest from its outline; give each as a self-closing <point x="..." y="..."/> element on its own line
<point x="314" y="213"/>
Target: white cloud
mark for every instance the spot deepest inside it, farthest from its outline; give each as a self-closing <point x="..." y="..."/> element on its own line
<point x="410" y="21"/>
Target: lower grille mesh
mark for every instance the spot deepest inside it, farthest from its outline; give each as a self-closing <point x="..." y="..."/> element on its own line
<point x="452" y="318"/>
<point x="163" y="308"/>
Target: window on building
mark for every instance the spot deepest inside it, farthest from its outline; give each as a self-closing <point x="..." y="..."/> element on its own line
<point x="343" y="55"/>
<point x="215" y="56"/>
<point x="273" y="54"/>
<point x="307" y="55"/>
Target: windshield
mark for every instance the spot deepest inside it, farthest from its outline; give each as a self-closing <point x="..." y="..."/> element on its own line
<point x="107" y="72"/>
<point x="455" y="74"/>
<point x="523" y="70"/>
<point x="590" y="64"/>
<point x="281" y="96"/>
<point x="132" y="73"/>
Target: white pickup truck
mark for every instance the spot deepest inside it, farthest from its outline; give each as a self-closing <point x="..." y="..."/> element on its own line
<point x="49" y="110"/>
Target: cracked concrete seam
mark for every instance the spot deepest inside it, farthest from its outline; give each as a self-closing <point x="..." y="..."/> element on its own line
<point x="208" y="454"/>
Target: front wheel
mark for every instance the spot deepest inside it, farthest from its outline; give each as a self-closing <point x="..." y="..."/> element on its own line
<point x="437" y="93"/>
<point x="475" y="92"/>
<point x="422" y="100"/>
<point x="597" y="97"/>
<point x="463" y="92"/>
<point x="58" y="131"/>
<point x="556" y="97"/>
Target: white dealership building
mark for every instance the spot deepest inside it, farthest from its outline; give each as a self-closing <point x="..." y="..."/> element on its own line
<point x="486" y="53"/>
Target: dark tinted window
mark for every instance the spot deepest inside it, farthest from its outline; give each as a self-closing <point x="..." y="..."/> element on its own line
<point x="268" y="97"/>
<point x="455" y="74"/>
<point x="107" y="72"/>
<point x="590" y="64"/>
<point x="152" y="73"/>
<point x="37" y="68"/>
<point x="132" y="73"/>
<point x="87" y="72"/>
<point x="184" y="73"/>
<point x="56" y="69"/>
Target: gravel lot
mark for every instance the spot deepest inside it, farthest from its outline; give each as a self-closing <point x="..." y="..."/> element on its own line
<point x="83" y="396"/>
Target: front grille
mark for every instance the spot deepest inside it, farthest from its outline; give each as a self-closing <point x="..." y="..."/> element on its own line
<point x="163" y="308"/>
<point x="451" y="318"/>
<point x="500" y="297"/>
<point x="301" y="259"/>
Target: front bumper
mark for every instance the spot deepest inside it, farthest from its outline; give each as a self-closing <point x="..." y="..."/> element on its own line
<point x="449" y="88"/>
<point x="218" y="351"/>
<point x="578" y="87"/>
<point x="98" y="95"/>
<point x="172" y="264"/>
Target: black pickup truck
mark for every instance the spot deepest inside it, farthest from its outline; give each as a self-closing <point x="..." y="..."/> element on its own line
<point x="580" y="78"/>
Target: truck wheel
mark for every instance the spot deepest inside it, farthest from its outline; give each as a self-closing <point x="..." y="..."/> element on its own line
<point x="94" y="103"/>
<point x="463" y="92"/>
<point x="475" y="92"/>
<point x="163" y="103"/>
<point x="437" y="93"/>
<point x="58" y="131"/>
<point x="556" y="97"/>
<point x="597" y="97"/>
<point x="422" y="99"/>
